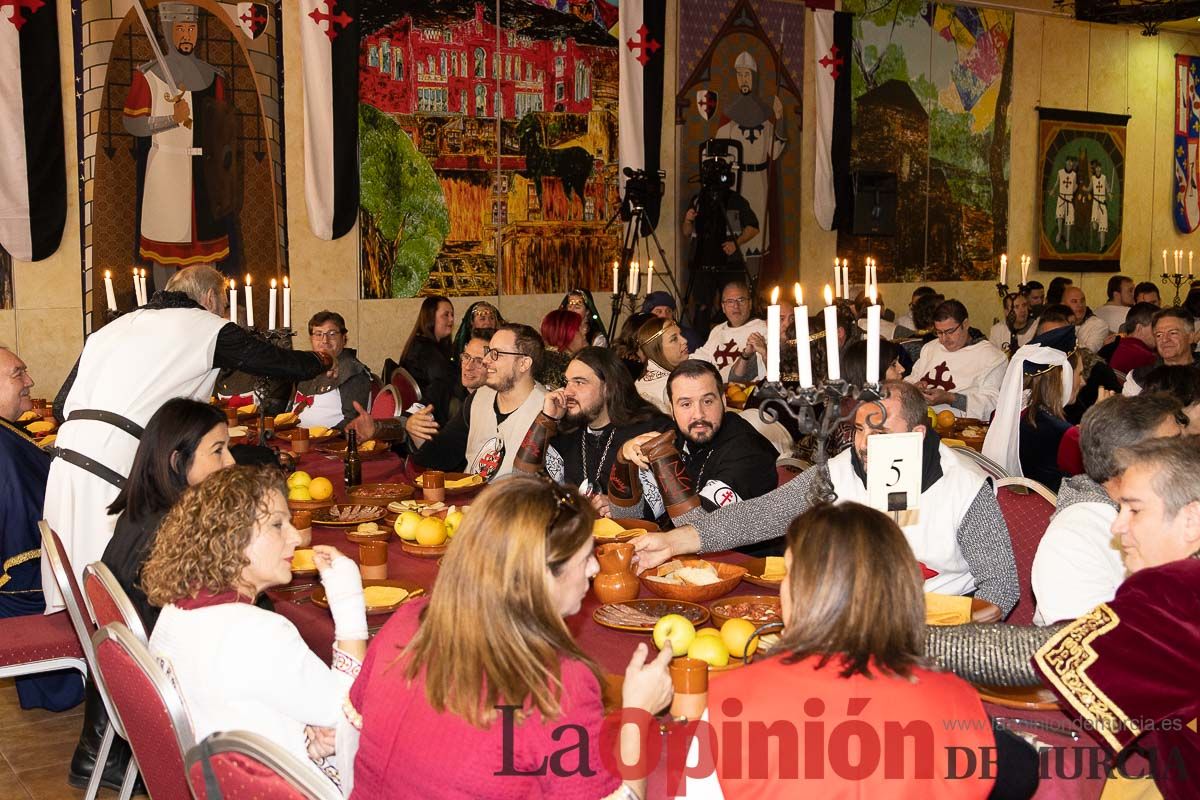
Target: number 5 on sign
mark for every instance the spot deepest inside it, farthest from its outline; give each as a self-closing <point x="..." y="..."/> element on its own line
<point x="894" y="471"/>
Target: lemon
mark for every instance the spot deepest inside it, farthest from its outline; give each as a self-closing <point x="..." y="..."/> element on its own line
<point x="320" y="489"/>
<point x="298" y="478"/>
<point x="299" y="493"/>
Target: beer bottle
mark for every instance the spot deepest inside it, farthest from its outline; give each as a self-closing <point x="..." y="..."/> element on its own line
<point x="353" y="471"/>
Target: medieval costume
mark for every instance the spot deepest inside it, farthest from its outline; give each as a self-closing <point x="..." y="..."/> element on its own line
<point x="974" y="372"/>
<point x="481" y="439"/>
<point x="330" y="403"/>
<point x="726" y="343"/>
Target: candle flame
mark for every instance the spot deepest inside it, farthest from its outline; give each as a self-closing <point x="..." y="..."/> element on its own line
<point x="798" y="293"/>
<point x="232" y="284"/>
<point x="652" y="264"/>
<point x="285" y="282"/>
<point x="247" y="277"/>
<point x="272" y="283"/>
<point x="828" y="295"/>
<point x="107" y="274"/>
<point x="775" y="296"/>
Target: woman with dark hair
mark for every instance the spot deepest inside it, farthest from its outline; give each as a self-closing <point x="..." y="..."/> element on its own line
<point x="580" y="301"/>
<point x="1180" y="382"/>
<point x="435" y="691"/>
<point x="481" y="316"/>
<point x="852" y="657"/>
<point x="564" y="333"/>
<point x="183" y="443"/>
<point x="854" y="372"/>
<point x="429" y="358"/>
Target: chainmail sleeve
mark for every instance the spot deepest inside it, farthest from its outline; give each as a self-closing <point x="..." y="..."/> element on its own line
<point x="997" y="655"/>
<point x="987" y="548"/>
<point x="759" y="518"/>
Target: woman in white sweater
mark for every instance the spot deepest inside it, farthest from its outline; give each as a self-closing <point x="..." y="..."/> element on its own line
<point x="237" y="666"/>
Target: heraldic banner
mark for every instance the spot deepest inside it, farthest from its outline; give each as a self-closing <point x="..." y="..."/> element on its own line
<point x="1082" y="184"/>
<point x="1186" y="201"/>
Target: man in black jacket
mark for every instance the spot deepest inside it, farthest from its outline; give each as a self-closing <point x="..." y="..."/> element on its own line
<point x="725" y="458"/>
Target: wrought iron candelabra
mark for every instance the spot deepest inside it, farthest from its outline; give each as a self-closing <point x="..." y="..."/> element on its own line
<point x="801" y="404"/>
<point x="280" y="337"/>
<point x="1177" y="280"/>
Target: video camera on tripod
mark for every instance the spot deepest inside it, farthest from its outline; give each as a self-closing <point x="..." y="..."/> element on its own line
<point x="640" y="188"/>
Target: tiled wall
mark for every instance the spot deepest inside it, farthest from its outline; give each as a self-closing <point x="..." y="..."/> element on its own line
<point x="1127" y="73"/>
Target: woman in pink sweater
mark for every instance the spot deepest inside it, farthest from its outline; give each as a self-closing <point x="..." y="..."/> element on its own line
<point x="481" y="692"/>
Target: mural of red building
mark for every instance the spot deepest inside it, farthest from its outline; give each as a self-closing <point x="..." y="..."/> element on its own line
<point x="411" y="67"/>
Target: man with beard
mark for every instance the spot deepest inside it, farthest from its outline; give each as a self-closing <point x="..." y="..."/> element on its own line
<point x="957" y="532"/>
<point x="726" y="459"/>
<point x="583" y="425"/>
<point x="178" y="226"/>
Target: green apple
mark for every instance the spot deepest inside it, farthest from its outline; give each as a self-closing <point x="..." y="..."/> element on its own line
<point x="406" y="525"/>
<point x="676" y="628"/>
<point x="709" y="649"/>
<point x="453" y="520"/>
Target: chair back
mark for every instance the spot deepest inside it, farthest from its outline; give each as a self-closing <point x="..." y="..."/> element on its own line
<point x="386" y="404"/>
<point x="149" y="709"/>
<point x="406" y="387"/>
<point x="1027" y="507"/>
<point x="993" y="470"/>
<point x="107" y="601"/>
<point x="787" y="468"/>
<point x="68" y="587"/>
<point x="247" y="766"/>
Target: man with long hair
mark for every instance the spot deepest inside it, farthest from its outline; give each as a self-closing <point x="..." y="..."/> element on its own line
<point x="583" y="426"/>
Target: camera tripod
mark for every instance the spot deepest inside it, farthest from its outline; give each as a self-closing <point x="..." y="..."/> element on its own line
<point x="636" y="220"/>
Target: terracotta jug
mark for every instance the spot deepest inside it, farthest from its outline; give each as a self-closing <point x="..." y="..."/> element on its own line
<point x="617" y="580"/>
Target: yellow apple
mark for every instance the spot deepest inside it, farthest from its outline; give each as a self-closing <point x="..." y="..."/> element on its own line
<point x="431" y="532"/>
<point x="453" y="520"/>
<point x="708" y="632"/>
<point x="320" y="489"/>
<point x="406" y="525"/>
<point x="676" y="628"/>
<point x="709" y="649"/>
<point x="298" y="478"/>
<point x="299" y="493"/>
<point x="736" y="633"/>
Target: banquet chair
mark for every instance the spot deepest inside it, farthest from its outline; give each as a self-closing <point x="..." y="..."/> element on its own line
<point x="406" y="388"/>
<point x="85" y="628"/>
<point x="247" y="766"/>
<point x="149" y="708"/>
<point x="386" y="404"/>
<point x="1027" y="507"/>
<point x="990" y="467"/>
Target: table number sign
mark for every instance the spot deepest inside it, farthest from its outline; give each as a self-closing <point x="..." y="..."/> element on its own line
<point x="894" y="471"/>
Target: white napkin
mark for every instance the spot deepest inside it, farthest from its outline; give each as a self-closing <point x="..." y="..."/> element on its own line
<point x="1002" y="443"/>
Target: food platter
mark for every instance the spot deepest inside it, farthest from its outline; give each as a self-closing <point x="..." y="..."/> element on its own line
<point x="755" y="568"/>
<point x="633" y="528"/>
<point x="1024" y="698"/>
<point x="380" y="493"/>
<point x="469" y="482"/>
<point x="379" y="607"/>
<point x="727" y="576"/>
<point x="422" y="551"/>
<point x="640" y="616"/>
<point x="757" y="608"/>
<point x="375" y="449"/>
<point x="342" y="516"/>
<point x="288" y="435"/>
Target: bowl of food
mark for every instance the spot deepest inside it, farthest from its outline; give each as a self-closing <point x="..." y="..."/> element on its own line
<point x="693" y="580"/>
<point x="369" y="532"/>
<point x="758" y="609"/>
<point x="620" y="530"/>
<point x="380" y="494"/>
<point x="457" y="482"/>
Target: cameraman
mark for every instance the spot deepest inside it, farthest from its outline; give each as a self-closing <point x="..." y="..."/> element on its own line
<point x="719" y="221"/>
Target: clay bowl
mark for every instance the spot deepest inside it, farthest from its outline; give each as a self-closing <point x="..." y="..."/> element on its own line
<point x="730" y="575"/>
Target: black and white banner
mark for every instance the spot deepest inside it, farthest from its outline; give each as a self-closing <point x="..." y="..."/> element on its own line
<point x="831" y="51"/>
<point x="643" y="56"/>
<point x="329" y="32"/>
<point x="33" y="168"/>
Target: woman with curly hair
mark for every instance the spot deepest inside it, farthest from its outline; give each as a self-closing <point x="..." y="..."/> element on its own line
<point x="487" y="668"/>
<point x="664" y="347"/>
<point x="237" y="666"/>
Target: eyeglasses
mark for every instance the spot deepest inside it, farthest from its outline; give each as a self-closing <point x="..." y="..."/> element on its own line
<point x="326" y="334"/>
<point x="471" y="360"/>
<point x="492" y="354"/>
<point x="735" y="301"/>
<point x="564" y="504"/>
<point x="948" y="331"/>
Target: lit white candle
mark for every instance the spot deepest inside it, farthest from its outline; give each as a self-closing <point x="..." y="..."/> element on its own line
<point x="1177" y="254"/>
<point x="109" y="294"/>
<point x="831" y="337"/>
<point x="249" y="302"/>
<point x="1004" y="269"/>
<point x="633" y="279"/>
<point x="137" y="290"/>
<point x="773" y="337"/>
<point x="803" y="357"/>
<point x="837" y="279"/>
<point x="874" y="275"/>
<point x="287" y="303"/>
<point x="616" y="276"/>
<point x="873" y="338"/>
<point x="145" y="290"/>
<point x="1164" y="262"/>
<point x="1025" y="261"/>
<point x="650" y="277"/>
<point x="867" y="275"/>
<point x="272" y="296"/>
<point x="233" y="301"/>
<point x="1190" y="263"/>
<point x="845" y="279"/>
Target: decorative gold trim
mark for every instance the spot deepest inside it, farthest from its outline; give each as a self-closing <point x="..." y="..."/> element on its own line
<point x="18" y="431"/>
<point x="16" y="561"/>
<point x="1064" y="661"/>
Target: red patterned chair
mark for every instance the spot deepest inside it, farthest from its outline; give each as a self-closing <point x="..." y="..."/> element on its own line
<point x="107" y="601"/>
<point x="246" y="766"/>
<point x="406" y="388"/>
<point x="1027" y="507"/>
<point x="386" y="404"/>
<point x="149" y="708"/>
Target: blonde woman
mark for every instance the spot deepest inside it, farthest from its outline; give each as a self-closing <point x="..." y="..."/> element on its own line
<point x="469" y="694"/>
<point x="237" y="666"/>
<point x="662" y="344"/>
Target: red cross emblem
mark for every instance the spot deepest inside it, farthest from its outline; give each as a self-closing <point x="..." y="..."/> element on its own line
<point x="18" y="17"/>
<point x="832" y="62"/>
<point x="727" y="353"/>
<point x="725" y="497"/>
<point x="647" y="46"/>
<point x="941" y="377"/>
<point x="342" y="18"/>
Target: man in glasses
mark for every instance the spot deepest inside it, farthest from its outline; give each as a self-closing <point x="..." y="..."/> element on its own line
<point x="1173" y="328"/>
<point x="729" y="342"/>
<point x="421" y="426"/>
<point x="330" y="402"/>
<point x="959" y="370"/>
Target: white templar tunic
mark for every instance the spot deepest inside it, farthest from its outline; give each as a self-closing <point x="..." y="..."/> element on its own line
<point x="975" y="371"/>
<point x="725" y="344"/>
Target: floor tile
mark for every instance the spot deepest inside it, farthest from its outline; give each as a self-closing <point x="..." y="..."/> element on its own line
<point x="40" y="744"/>
<point x="11" y="712"/>
<point x="10" y="785"/>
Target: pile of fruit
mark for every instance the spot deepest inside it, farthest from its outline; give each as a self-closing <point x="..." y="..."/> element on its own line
<point x="712" y="646"/>
<point x="304" y="487"/>
<point x="428" y="531"/>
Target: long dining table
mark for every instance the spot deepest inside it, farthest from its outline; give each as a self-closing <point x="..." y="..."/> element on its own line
<point x="1069" y="755"/>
